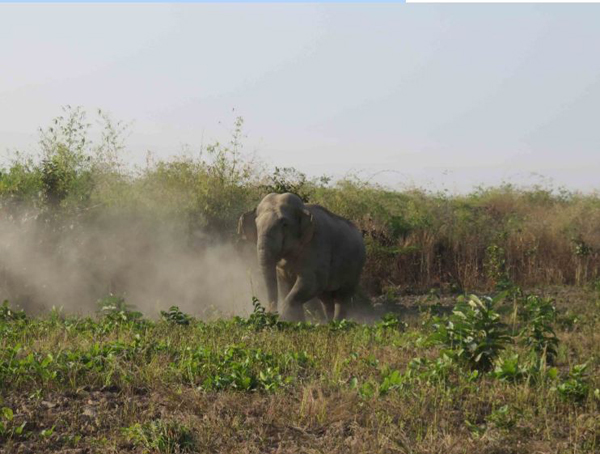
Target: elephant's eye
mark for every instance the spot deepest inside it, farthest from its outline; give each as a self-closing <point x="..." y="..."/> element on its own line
<point x="284" y="223"/>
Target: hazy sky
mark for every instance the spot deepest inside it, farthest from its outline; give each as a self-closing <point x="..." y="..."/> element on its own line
<point x="444" y="96"/>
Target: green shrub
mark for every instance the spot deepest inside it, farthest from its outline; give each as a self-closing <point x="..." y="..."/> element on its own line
<point x="576" y="386"/>
<point x="175" y="316"/>
<point x="114" y="309"/>
<point x="474" y="332"/>
<point x="539" y="314"/>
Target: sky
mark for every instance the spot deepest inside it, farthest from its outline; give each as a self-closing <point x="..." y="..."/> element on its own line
<point x="445" y="97"/>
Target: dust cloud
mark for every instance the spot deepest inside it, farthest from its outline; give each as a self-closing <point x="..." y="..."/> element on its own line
<point x="46" y="262"/>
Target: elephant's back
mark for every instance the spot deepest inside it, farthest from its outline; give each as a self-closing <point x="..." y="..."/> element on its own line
<point x="344" y="242"/>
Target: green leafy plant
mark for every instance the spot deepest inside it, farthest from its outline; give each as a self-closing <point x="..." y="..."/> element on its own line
<point x="474" y="331"/>
<point x="114" y="308"/>
<point x="539" y="314"/>
<point x="495" y="266"/>
<point x="391" y="321"/>
<point x="8" y="428"/>
<point x="260" y="319"/>
<point x="288" y="179"/>
<point x="510" y="369"/>
<point x="576" y="386"/>
<point x="238" y="368"/>
<point x="504" y="417"/>
<point x="341" y="325"/>
<point x="9" y="314"/>
<point x="392" y="380"/>
<point x="175" y="316"/>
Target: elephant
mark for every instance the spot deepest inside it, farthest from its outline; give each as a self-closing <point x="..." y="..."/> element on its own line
<point x="304" y="252"/>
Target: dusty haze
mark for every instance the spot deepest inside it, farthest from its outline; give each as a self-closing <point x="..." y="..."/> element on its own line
<point x="46" y="261"/>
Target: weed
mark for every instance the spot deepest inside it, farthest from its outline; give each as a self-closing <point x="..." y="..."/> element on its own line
<point x="114" y="309"/>
<point x="236" y="367"/>
<point x="163" y="436"/>
<point x="9" y="314"/>
<point x="539" y="314"/>
<point x="510" y="369"/>
<point x="175" y="316"/>
<point x="8" y="428"/>
<point x="341" y="325"/>
<point x="260" y="319"/>
<point x="576" y="386"/>
<point x="391" y="321"/>
<point x="474" y="331"/>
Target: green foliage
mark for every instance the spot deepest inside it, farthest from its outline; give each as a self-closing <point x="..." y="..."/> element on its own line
<point x="9" y="314"/>
<point x="163" y="436"/>
<point x="391" y="381"/>
<point x="495" y="266"/>
<point x="391" y="321"/>
<point x="175" y="316"/>
<point x="474" y="331"/>
<point x="575" y="387"/>
<point x="238" y="368"/>
<point x="504" y="417"/>
<point x="288" y="179"/>
<point x="510" y="369"/>
<point x="260" y="319"/>
<point x="8" y="427"/>
<point x="341" y="325"/>
<point x="114" y="309"/>
<point x="539" y="315"/>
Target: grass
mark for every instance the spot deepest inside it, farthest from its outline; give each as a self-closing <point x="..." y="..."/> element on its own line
<point x="122" y="383"/>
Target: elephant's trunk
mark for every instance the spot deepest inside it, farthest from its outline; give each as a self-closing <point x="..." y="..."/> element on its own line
<point x="268" y="261"/>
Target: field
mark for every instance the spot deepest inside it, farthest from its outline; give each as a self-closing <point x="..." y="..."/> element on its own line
<point x="475" y="330"/>
<point x="408" y="383"/>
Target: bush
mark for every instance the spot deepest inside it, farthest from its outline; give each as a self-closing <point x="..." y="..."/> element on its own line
<point x="539" y="314"/>
<point x="474" y="332"/>
<point x="492" y="238"/>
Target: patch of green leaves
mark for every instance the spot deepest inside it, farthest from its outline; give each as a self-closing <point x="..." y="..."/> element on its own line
<point x="175" y="316"/>
<point x="261" y="319"/>
<point x="8" y="427"/>
<point x="538" y="333"/>
<point x="113" y="308"/>
<point x="240" y="368"/>
<point x="576" y="386"/>
<point x="474" y="332"/>
<point x="8" y="314"/>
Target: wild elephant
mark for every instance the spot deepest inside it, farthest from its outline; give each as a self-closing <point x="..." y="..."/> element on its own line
<point x="305" y="252"/>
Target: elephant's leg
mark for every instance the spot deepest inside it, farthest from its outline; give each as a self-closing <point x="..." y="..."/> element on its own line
<point x="340" y="311"/>
<point x="343" y="300"/>
<point x="304" y="289"/>
<point x="284" y="285"/>
<point x="328" y="305"/>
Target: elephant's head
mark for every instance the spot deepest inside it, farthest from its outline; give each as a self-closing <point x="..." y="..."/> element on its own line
<point x="281" y="227"/>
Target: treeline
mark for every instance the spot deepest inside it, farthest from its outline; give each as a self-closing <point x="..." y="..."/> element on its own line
<point x="416" y="239"/>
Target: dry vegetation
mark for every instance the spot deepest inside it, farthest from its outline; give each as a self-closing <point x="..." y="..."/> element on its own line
<point x="514" y="374"/>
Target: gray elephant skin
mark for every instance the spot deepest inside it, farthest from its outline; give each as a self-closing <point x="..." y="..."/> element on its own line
<point x="304" y="252"/>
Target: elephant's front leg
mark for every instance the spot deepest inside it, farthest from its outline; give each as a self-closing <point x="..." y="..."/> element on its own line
<point x="284" y="285"/>
<point x="304" y="289"/>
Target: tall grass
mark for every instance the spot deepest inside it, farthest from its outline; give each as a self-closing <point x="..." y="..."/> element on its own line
<point x="416" y="239"/>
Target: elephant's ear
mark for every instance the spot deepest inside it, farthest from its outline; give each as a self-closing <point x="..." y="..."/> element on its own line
<point x="307" y="226"/>
<point x="247" y="226"/>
